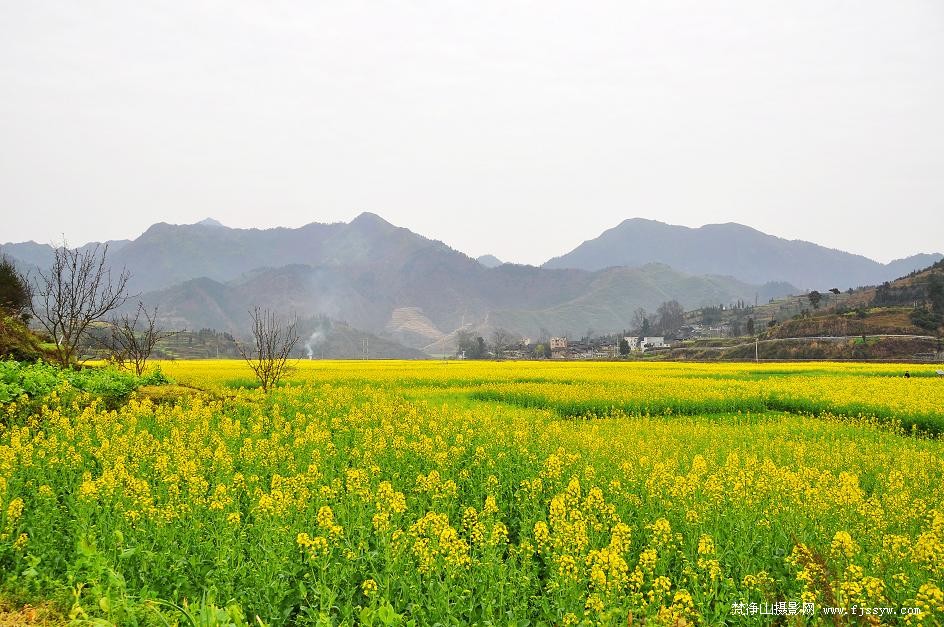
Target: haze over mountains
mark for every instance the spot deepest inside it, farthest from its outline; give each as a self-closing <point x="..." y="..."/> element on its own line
<point x="735" y="250"/>
<point x="399" y="285"/>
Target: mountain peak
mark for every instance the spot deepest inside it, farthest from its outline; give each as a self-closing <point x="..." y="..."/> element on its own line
<point x="490" y="261"/>
<point x="730" y="249"/>
<point x="210" y="222"/>
<point x="641" y="221"/>
<point x="368" y="218"/>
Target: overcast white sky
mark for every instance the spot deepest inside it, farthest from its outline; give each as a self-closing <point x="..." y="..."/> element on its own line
<point x="515" y="128"/>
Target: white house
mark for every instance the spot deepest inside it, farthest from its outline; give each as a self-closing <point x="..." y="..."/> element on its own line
<point x="633" y="343"/>
<point x="657" y="341"/>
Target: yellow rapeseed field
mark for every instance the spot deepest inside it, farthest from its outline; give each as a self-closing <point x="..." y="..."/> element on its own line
<point x="485" y="493"/>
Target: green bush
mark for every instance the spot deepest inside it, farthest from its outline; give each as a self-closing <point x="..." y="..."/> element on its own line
<point x="17" y="341"/>
<point x="38" y="380"/>
<point x="926" y="319"/>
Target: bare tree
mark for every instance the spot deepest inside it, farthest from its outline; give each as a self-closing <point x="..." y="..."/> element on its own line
<point x="78" y="290"/>
<point x="133" y="337"/>
<point x="671" y="317"/>
<point x="640" y="317"/>
<point x="273" y="342"/>
<point x="501" y="338"/>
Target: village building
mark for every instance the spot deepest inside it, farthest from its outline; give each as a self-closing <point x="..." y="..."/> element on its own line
<point x="657" y="341"/>
<point x="558" y="347"/>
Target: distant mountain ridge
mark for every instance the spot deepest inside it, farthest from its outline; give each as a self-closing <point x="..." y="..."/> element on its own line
<point x="734" y="250"/>
<point x="35" y="255"/>
<point x="167" y="254"/>
<point x="406" y="288"/>
<point x="421" y="307"/>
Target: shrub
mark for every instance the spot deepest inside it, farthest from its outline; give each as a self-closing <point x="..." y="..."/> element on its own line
<point x="37" y="381"/>
<point x="14" y="291"/>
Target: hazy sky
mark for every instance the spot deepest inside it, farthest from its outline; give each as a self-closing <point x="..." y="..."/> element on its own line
<point x="515" y="128"/>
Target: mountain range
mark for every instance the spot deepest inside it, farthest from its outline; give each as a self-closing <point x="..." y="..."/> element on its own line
<point x="409" y="289"/>
<point x="735" y="250"/>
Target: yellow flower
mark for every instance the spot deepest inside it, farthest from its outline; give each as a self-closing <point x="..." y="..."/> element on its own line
<point x="14" y="510"/>
<point x="620" y="538"/>
<point x="594" y="603"/>
<point x="567" y="567"/>
<point x="542" y="535"/>
<point x="326" y="522"/>
<point x="647" y="560"/>
<point x="314" y="547"/>
<point x="843" y="545"/>
<point x="498" y="535"/>
<point x="369" y="587"/>
<point x="706" y="545"/>
<point x="660" y="587"/>
<point x="930" y="598"/>
<point x="661" y="532"/>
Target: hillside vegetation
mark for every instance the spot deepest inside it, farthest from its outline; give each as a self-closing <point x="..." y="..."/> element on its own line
<point x="18" y="342"/>
<point x="911" y="305"/>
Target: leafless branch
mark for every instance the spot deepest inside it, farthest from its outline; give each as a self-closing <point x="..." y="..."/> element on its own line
<point x="75" y="292"/>
<point x="133" y="337"/>
<point x="273" y="342"/>
<point x="501" y="339"/>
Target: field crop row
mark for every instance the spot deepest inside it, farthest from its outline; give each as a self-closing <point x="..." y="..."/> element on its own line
<point x="347" y="497"/>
